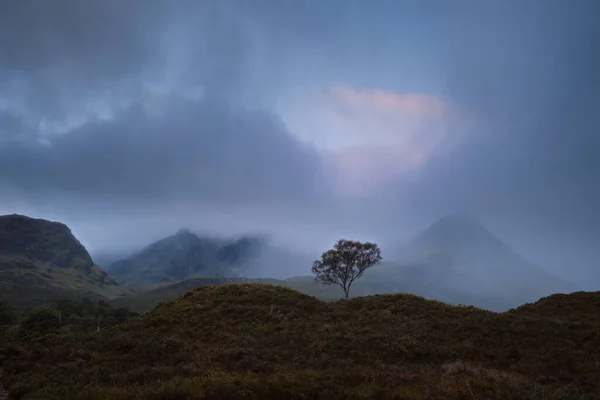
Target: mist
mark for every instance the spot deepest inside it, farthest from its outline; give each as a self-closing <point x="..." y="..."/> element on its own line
<point x="305" y="121"/>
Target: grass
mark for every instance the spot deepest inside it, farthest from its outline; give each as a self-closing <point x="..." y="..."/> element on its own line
<point x="260" y="341"/>
<point x="575" y="307"/>
<point x="144" y="301"/>
<point x="383" y="279"/>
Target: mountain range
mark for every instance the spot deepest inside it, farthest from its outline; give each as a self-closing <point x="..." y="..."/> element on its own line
<point x="456" y="260"/>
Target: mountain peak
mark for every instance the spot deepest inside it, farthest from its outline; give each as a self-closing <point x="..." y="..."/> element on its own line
<point x="469" y="258"/>
<point x="186" y="255"/>
<point x="183" y="232"/>
<point x="42" y="240"/>
<point x="460" y="226"/>
<point x="459" y="219"/>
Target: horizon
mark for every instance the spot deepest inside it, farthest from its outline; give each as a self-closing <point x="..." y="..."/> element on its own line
<point x="306" y="121"/>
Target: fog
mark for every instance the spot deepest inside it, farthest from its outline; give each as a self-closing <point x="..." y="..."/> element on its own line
<point x="307" y="121"/>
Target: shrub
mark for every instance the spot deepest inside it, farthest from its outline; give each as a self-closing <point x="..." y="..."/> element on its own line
<point x="40" y="321"/>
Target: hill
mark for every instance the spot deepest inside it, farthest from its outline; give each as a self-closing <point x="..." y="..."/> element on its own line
<point x="144" y="301"/>
<point x="257" y="341"/>
<point x="42" y="260"/>
<point x="185" y="255"/>
<point x="578" y="306"/>
<point x="385" y="278"/>
<point x="461" y="255"/>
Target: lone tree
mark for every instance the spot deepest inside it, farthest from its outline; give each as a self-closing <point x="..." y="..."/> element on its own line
<point x="345" y="263"/>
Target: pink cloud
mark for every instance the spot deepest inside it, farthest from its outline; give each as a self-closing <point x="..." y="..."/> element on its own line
<point x="365" y="170"/>
<point x="382" y="135"/>
<point x="370" y="137"/>
<point x="377" y="100"/>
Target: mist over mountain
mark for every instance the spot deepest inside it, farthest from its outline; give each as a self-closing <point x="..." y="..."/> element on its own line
<point x="461" y="137"/>
<point x="307" y="121"/>
<point x="186" y="255"/>
<point x="464" y="255"/>
<point x="456" y="260"/>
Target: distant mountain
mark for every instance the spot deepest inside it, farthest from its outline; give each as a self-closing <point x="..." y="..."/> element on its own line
<point x="460" y="254"/>
<point x="42" y="260"/>
<point x="186" y="255"/>
<point x="456" y="260"/>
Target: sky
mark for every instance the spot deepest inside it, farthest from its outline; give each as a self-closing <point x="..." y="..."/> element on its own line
<point x="306" y="120"/>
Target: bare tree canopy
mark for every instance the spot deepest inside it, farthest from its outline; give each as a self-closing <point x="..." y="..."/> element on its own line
<point x="345" y="263"/>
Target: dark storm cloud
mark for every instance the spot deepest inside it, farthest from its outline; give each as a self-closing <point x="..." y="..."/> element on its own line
<point x="124" y="113"/>
<point x="193" y="150"/>
<point x="102" y="39"/>
<point x="56" y="56"/>
<point x="104" y="103"/>
<point x="59" y="58"/>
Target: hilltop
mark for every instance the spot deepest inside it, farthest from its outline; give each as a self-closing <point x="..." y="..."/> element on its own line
<point x="265" y="342"/>
<point x="41" y="260"/>
<point x="574" y="307"/>
<point x="384" y="278"/>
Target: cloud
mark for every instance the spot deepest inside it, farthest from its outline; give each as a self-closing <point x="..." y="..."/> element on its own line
<point x="375" y="100"/>
<point x="369" y="137"/>
<point x="192" y="150"/>
<point x="237" y="115"/>
<point x="531" y="165"/>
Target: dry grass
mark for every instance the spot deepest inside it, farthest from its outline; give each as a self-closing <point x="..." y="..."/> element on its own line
<point x="259" y="341"/>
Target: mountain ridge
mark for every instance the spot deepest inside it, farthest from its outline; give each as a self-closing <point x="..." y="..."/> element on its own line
<point x="185" y="255"/>
<point x="41" y="259"/>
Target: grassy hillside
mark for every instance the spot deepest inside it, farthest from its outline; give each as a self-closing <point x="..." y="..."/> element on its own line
<point x="382" y="279"/>
<point x="257" y="341"/>
<point x="575" y="307"/>
<point x="146" y="300"/>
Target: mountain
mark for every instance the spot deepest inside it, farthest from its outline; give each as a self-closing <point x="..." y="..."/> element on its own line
<point x="456" y="260"/>
<point x="460" y="254"/>
<point x="42" y="260"/>
<point x="186" y="255"/>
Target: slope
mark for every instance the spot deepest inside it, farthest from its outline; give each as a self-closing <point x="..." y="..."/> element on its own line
<point x="385" y="278"/>
<point x="42" y="260"/>
<point x="264" y="342"/>
<point x="578" y="306"/>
